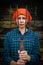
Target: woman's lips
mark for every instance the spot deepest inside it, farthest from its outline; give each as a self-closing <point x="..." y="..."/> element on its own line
<point x="21" y="24"/>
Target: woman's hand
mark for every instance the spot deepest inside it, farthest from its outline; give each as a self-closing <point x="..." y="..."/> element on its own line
<point x="20" y="62"/>
<point x="24" y="56"/>
<point x="13" y="63"/>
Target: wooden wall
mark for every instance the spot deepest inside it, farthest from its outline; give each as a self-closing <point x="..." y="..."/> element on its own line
<point x="7" y="24"/>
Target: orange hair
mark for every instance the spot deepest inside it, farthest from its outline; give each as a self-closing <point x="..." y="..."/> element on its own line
<point x="22" y="11"/>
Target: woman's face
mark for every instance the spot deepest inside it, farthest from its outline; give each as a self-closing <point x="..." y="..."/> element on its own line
<point x="21" y="21"/>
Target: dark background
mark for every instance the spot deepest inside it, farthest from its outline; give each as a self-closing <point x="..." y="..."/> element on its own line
<point x="4" y="4"/>
<point x="6" y="24"/>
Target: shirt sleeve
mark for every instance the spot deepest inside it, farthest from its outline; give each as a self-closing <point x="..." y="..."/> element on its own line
<point x="35" y="56"/>
<point x="6" y="55"/>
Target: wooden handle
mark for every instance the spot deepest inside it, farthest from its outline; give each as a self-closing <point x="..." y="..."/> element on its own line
<point x="22" y="45"/>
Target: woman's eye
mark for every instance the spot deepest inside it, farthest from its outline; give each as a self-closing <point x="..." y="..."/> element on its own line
<point x="24" y="18"/>
<point x="19" y="18"/>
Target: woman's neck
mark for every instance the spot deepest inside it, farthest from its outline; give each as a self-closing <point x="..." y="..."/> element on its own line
<point x="23" y="30"/>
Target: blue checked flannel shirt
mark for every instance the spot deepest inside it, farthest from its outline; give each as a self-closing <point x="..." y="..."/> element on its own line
<point x="12" y="45"/>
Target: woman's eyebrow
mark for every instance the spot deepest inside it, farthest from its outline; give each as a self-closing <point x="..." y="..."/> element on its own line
<point x="24" y="17"/>
<point x="19" y="18"/>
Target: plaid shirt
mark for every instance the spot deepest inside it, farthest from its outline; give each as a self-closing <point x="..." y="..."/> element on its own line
<point x="12" y="45"/>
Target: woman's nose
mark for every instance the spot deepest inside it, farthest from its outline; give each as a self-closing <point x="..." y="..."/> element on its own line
<point x="21" y="19"/>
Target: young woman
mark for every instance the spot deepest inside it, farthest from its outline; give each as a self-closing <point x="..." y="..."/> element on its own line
<point x="29" y="52"/>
